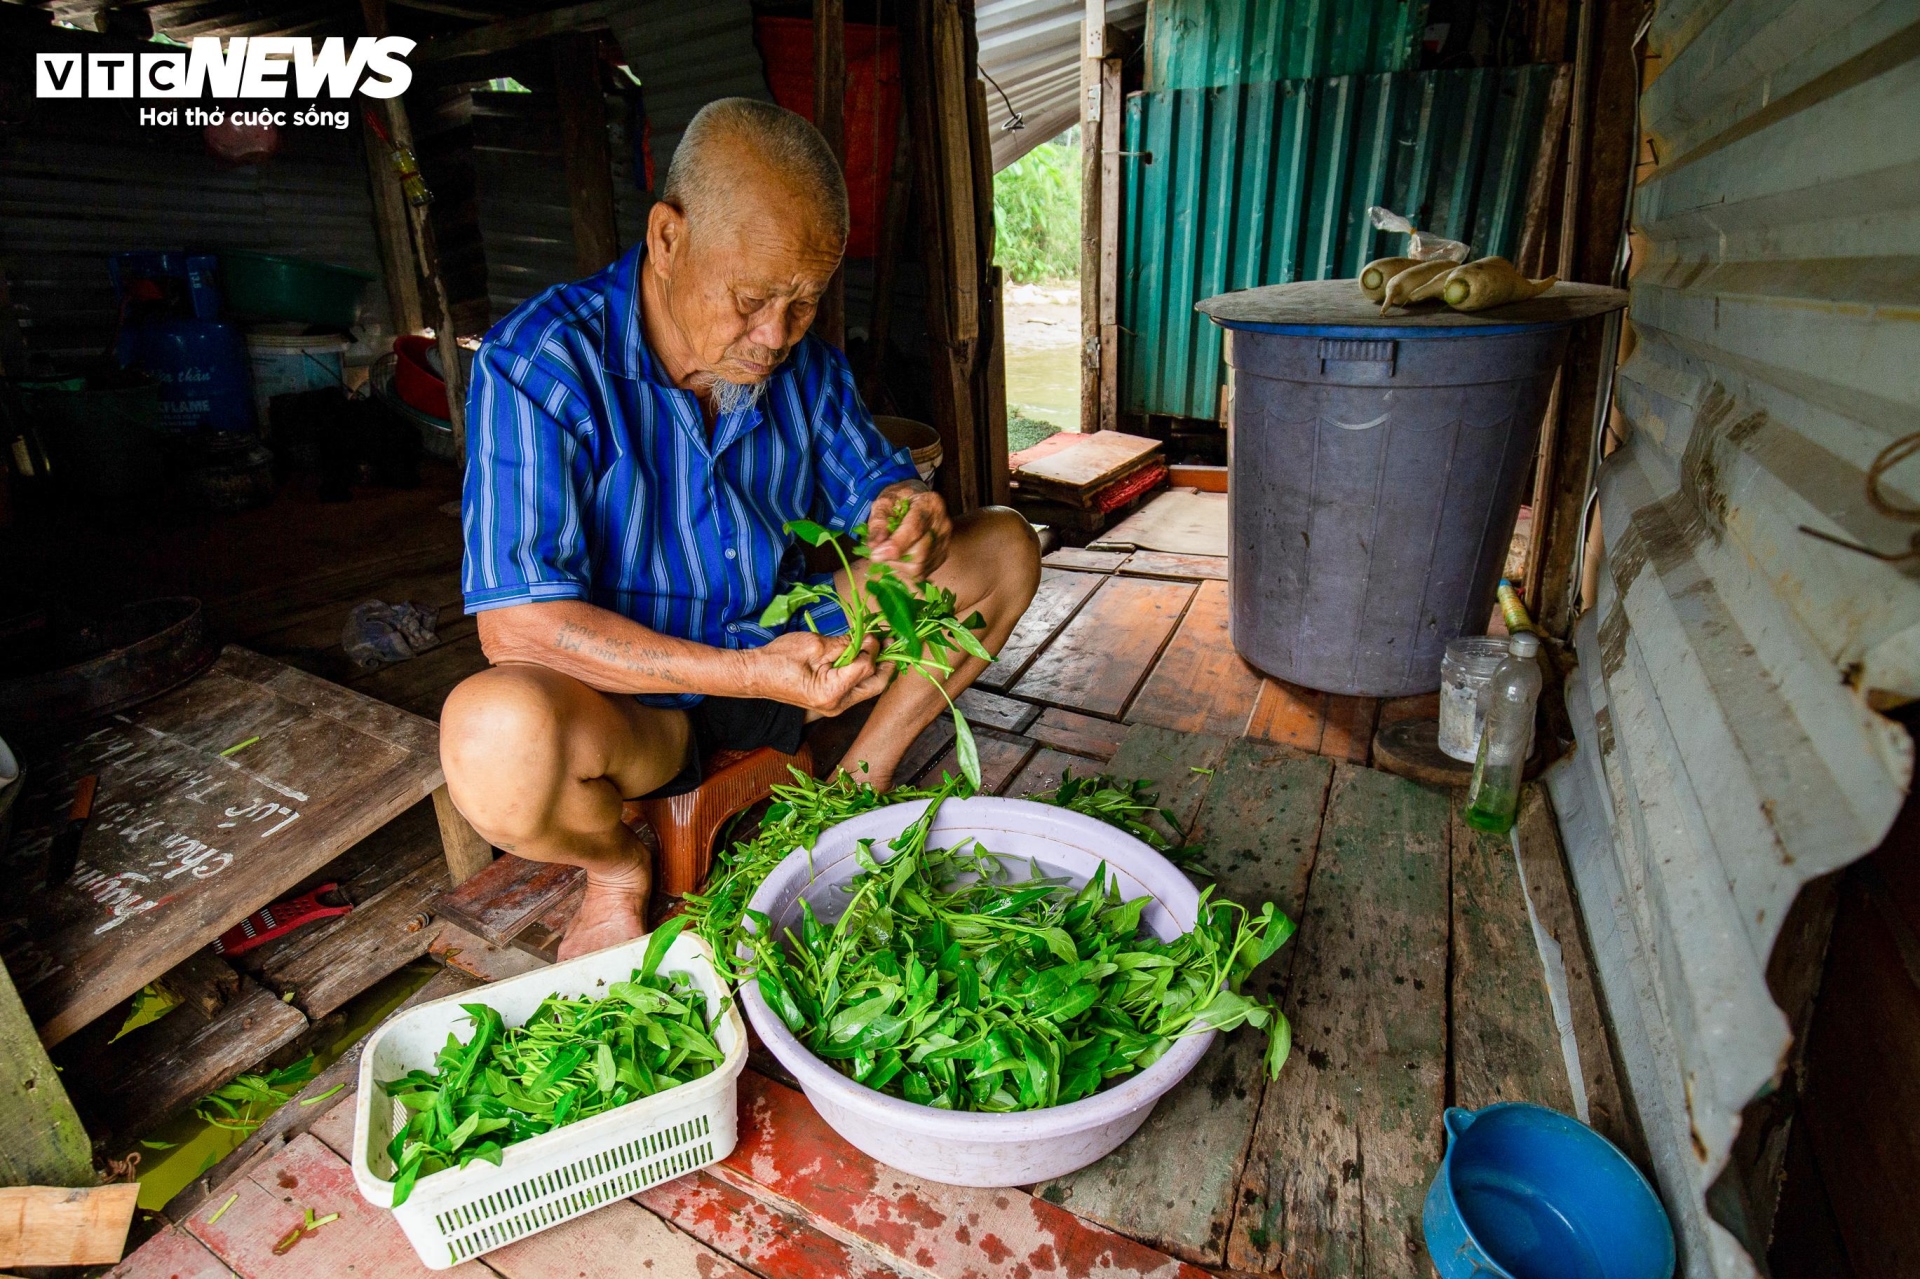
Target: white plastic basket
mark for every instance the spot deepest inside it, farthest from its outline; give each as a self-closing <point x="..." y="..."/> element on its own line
<point x="462" y="1212"/>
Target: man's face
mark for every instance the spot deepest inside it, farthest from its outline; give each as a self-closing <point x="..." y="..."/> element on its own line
<point x="743" y="291"/>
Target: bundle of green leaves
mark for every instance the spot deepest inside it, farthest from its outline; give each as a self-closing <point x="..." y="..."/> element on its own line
<point x="916" y="628"/>
<point x="244" y="1102"/>
<point x="948" y="983"/>
<point x="573" y="1059"/>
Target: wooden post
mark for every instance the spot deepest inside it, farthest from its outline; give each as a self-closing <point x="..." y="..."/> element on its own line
<point x="885" y="264"/>
<point x="394" y="236"/>
<point x="466" y="850"/>
<point x="42" y="1141"/>
<point x="583" y="137"/>
<point x="1093" y="52"/>
<point x="1111" y="119"/>
<point x="829" y="116"/>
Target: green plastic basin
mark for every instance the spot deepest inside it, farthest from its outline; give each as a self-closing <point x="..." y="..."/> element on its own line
<point x="266" y="286"/>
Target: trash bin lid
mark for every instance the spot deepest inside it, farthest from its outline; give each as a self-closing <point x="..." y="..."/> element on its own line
<point x="1337" y="309"/>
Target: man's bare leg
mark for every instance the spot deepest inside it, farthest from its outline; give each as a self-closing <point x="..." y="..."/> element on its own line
<point x="993" y="566"/>
<point x="540" y="763"/>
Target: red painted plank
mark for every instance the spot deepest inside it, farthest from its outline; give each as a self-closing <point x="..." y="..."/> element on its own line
<point x="171" y="1254"/>
<point x="1077" y="734"/>
<point x="788" y="1156"/>
<point x="753" y="1233"/>
<point x="364" y="1243"/>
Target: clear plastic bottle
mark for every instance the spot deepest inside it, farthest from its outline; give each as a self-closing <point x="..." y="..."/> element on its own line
<point x="1493" y="796"/>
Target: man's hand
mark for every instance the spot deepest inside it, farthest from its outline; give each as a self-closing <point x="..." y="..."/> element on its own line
<point x="917" y="545"/>
<point x="798" y="668"/>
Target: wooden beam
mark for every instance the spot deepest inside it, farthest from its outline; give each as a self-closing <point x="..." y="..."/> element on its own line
<point x="1111" y="117"/>
<point x="393" y="234"/>
<point x="885" y="266"/>
<point x="1093" y="48"/>
<point x="956" y="171"/>
<point x="829" y="116"/>
<point x="583" y="139"/>
<point x="498" y="36"/>
<point x="467" y="850"/>
<point x="41" y="1138"/>
<point x="54" y="1226"/>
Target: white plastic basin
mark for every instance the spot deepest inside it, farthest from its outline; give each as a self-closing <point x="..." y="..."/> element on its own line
<point x="958" y="1148"/>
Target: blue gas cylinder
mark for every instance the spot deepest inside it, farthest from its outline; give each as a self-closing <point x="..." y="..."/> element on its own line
<point x="201" y="367"/>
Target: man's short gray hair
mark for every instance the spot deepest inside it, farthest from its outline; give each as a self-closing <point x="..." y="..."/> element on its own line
<point x="701" y="177"/>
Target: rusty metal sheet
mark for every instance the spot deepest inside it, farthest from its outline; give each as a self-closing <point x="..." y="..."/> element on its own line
<point x="1730" y="749"/>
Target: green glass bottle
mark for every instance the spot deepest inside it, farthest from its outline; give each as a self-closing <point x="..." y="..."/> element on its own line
<point x="1509" y="699"/>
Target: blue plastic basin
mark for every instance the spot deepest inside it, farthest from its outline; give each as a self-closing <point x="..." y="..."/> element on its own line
<point x="1527" y="1193"/>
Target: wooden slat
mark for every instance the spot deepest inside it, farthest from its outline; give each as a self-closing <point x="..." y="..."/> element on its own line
<point x="788" y="1157"/>
<point x="274" y="1198"/>
<point x="344" y="956"/>
<point x="1173" y="1183"/>
<point x="1043" y="771"/>
<point x="161" y="1068"/>
<point x="1166" y="564"/>
<point x="171" y="1254"/>
<point x="1200" y="684"/>
<point x="1179" y="766"/>
<point x="1097" y="662"/>
<point x="184" y="841"/>
<point x="1060" y="596"/>
<point x="543" y="934"/>
<point x="757" y="1235"/>
<point x="1075" y="557"/>
<point x="65" y="1226"/>
<point x="1077" y="734"/>
<point x="1505" y="1045"/>
<point x="930" y="745"/>
<point x="1349" y="1135"/>
<point x="1550" y="887"/>
<point x="1001" y="755"/>
<point x="502" y="899"/>
<point x="1009" y="714"/>
<point x="1349" y="732"/>
<point x="1289" y="715"/>
<point x="479" y="958"/>
<point x="1208" y="479"/>
<point x="616" y="1241"/>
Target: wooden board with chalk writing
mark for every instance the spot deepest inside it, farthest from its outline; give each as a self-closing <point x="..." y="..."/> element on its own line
<point x="188" y="834"/>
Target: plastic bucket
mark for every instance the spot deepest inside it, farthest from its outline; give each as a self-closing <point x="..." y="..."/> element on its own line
<point x="962" y="1148"/>
<point x="1527" y="1193"/>
<point x="919" y="439"/>
<point x="288" y="363"/>
<point x="267" y="286"/>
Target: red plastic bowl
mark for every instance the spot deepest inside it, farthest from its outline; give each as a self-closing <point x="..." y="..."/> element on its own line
<point x="419" y="386"/>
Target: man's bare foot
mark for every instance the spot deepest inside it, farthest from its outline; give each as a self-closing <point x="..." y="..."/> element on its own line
<point x="614" y="910"/>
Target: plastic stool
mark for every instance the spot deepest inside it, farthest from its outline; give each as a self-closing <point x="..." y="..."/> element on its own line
<point x="685" y="824"/>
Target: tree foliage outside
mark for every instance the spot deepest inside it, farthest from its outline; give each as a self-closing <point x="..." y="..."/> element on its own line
<point x="1036" y="209"/>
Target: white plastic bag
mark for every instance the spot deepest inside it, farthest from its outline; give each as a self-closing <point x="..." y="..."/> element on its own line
<point x="1426" y="248"/>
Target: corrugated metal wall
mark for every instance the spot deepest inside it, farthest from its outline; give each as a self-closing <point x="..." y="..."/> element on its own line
<point x="686" y="55"/>
<point x="80" y="180"/>
<point x="1031" y="49"/>
<point x="1268" y="183"/>
<point x="526" y="220"/>
<point x="1197" y="44"/>
<point x="1727" y="750"/>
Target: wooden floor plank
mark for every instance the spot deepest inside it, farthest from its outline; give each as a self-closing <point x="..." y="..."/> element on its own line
<point x="1077" y="734"/>
<point x="421" y="684"/>
<point x="171" y="1254"/>
<point x="1349" y="732"/>
<point x="1178" y="766"/>
<point x="1009" y="714"/>
<point x="1001" y="757"/>
<point x="1167" y="564"/>
<point x="1349" y="1135"/>
<point x="1060" y="596"/>
<point x="1200" y="684"/>
<point x="1550" y="886"/>
<point x="1505" y="1044"/>
<point x="1098" y="661"/>
<point x="1289" y="715"/>
<point x="1173" y="1183"/>
<point x="349" y="953"/>
<point x="789" y="1158"/>
<point x="615" y="1241"/>
<point x="1043" y="771"/>
<point x="502" y="899"/>
<point x="773" y="1243"/>
<point x="274" y="1197"/>
<point x="1075" y="557"/>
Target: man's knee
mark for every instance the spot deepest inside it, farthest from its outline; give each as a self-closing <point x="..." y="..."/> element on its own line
<point x="998" y="541"/>
<point x="503" y="746"/>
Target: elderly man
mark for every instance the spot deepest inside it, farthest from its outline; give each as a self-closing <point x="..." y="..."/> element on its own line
<point x="636" y="441"/>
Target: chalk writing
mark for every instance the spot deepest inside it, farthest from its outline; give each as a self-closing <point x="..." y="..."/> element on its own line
<point x="116" y="892"/>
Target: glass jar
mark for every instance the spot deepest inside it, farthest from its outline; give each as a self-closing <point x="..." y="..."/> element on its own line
<point x="1469" y="663"/>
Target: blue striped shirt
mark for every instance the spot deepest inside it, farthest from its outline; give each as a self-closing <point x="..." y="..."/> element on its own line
<point x="590" y="476"/>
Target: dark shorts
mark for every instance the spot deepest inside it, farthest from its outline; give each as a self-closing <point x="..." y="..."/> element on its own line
<point x="736" y="724"/>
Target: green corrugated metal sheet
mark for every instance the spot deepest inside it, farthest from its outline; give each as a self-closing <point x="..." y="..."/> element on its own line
<point x="1268" y="183"/>
<point x="1198" y="44"/>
